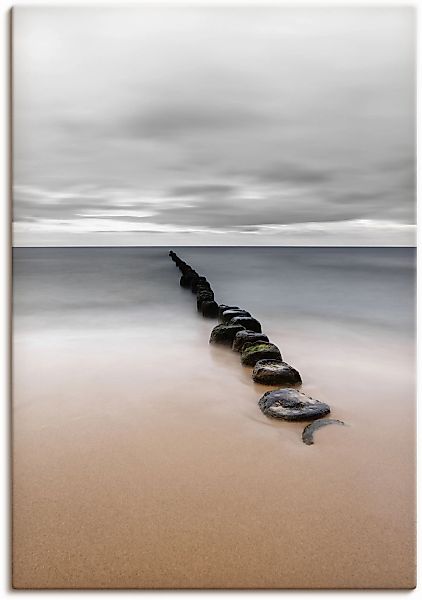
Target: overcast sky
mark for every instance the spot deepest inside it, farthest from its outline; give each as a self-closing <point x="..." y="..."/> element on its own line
<point x="213" y="126"/>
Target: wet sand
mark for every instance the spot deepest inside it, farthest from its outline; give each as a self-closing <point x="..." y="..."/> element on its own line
<point x="141" y="460"/>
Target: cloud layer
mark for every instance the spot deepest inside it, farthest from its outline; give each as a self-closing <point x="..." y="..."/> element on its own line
<point x="246" y="125"/>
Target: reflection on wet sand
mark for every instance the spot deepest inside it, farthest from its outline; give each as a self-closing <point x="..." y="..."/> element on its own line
<point x="141" y="458"/>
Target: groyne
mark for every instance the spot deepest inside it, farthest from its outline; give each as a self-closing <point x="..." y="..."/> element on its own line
<point x="243" y="333"/>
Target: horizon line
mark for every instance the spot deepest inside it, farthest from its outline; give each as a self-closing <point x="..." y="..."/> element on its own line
<point x="221" y="246"/>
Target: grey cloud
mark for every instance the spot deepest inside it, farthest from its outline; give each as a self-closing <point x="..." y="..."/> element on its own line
<point x="249" y="117"/>
<point x="292" y="173"/>
<point x="171" y="121"/>
<point x="41" y="204"/>
<point x="124" y="218"/>
<point x="201" y="189"/>
<point x="223" y="212"/>
<point x="22" y="209"/>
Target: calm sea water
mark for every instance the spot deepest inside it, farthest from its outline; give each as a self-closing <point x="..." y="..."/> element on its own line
<point x="92" y="288"/>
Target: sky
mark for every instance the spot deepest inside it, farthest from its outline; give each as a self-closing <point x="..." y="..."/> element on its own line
<point x="213" y="126"/>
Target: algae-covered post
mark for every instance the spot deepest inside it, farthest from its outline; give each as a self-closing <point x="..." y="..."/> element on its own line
<point x="230" y="313"/>
<point x="253" y="352"/>
<point x="209" y="309"/>
<point x="224" y="334"/>
<point x="247" y="336"/>
<point x="247" y="322"/>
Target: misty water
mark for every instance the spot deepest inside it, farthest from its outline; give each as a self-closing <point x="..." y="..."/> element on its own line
<point x="141" y="458"/>
<point x="130" y="287"/>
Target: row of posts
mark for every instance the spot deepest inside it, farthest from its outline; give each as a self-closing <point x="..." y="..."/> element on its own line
<point x="240" y="330"/>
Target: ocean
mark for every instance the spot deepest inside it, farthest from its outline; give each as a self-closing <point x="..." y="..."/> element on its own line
<point x="109" y="287"/>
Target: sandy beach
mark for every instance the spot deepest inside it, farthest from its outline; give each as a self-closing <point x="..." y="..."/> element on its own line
<point x="141" y="458"/>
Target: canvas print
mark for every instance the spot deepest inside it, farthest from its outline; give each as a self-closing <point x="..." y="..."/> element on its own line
<point x="213" y="297"/>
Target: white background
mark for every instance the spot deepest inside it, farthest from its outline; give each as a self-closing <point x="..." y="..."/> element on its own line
<point x="5" y="283"/>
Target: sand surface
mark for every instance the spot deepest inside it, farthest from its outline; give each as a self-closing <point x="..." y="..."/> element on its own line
<point x="141" y="459"/>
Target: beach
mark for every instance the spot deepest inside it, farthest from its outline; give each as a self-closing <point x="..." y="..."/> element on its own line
<point x="140" y="456"/>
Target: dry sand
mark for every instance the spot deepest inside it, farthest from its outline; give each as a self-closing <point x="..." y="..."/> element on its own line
<point x="143" y="461"/>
